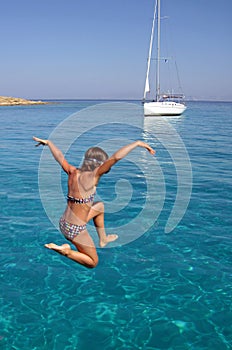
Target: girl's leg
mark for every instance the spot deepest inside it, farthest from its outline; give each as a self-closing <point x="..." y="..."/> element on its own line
<point x="86" y="254"/>
<point x="97" y="214"/>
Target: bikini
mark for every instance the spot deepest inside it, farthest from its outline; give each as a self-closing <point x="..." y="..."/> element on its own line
<point x="81" y="200"/>
<point x="70" y="231"/>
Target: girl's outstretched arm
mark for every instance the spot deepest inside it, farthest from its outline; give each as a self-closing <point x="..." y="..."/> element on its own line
<point x="57" y="154"/>
<point x="121" y="153"/>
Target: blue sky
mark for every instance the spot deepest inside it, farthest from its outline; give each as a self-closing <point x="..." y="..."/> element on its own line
<point x="98" y="48"/>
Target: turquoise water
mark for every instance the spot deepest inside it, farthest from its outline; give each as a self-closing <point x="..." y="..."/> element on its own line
<point x="158" y="291"/>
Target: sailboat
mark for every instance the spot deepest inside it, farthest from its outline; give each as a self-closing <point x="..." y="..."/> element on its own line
<point x="164" y="104"/>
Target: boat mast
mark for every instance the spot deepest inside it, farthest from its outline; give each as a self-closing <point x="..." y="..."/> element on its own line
<point x="158" y="54"/>
<point x="147" y="87"/>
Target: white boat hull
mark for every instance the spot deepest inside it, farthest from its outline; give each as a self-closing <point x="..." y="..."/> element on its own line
<point x="165" y="108"/>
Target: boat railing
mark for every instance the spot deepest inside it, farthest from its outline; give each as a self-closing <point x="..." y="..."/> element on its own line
<point x="171" y="97"/>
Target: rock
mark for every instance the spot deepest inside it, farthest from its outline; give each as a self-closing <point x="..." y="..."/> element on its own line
<point x="14" y="101"/>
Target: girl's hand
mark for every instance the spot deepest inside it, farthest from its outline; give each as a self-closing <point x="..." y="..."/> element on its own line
<point x="145" y="145"/>
<point x="40" y="141"/>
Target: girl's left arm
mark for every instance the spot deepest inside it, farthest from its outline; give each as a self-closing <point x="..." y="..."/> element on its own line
<point x="57" y="154"/>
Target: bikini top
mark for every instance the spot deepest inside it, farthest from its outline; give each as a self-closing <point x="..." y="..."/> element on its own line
<point x="81" y="200"/>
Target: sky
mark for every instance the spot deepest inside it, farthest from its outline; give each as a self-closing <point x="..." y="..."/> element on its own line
<point x="98" y="49"/>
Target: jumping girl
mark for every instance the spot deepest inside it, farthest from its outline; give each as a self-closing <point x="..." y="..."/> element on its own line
<point x="81" y="207"/>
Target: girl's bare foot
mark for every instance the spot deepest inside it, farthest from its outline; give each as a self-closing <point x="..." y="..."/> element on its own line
<point x="109" y="238"/>
<point x="62" y="249"/>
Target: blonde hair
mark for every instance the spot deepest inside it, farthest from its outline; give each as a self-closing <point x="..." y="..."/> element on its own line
<point x="94" y="157"/>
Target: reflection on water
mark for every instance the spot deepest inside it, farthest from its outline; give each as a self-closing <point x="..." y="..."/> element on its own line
<point x="170" y="140"/>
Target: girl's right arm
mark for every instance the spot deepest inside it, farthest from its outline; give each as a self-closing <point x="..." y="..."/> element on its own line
<point x="121" y="153"/>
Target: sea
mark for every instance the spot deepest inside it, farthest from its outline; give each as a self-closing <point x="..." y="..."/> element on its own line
<point x="166" y="283"/>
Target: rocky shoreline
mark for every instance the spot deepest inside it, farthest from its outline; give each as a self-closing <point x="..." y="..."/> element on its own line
<point x="16" y="101"/>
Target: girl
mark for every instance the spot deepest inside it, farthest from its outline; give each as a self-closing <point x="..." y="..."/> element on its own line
<point x="81" y="207"/>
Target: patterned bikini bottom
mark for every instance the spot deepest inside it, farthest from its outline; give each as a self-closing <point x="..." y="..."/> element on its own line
<point x="70" y="231"/>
